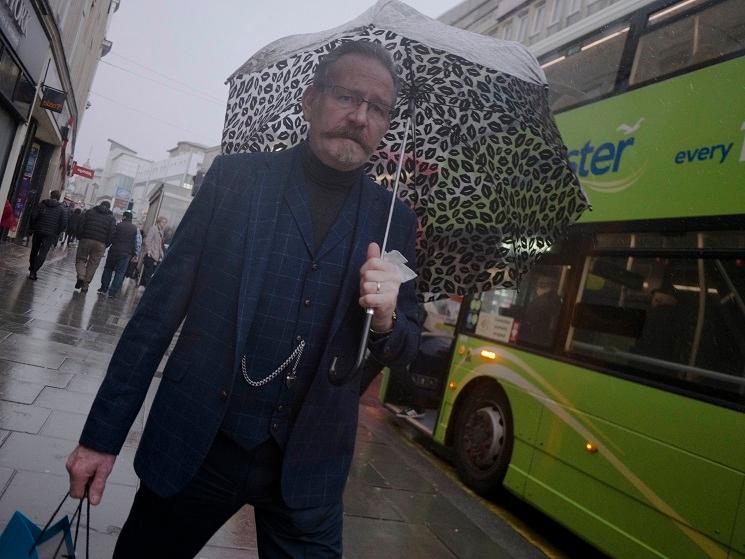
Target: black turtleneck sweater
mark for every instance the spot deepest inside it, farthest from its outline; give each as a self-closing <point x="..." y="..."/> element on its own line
<point x="327" y="190"/>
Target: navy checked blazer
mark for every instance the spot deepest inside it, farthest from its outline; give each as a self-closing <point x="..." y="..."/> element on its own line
<point x="211" y="279"/>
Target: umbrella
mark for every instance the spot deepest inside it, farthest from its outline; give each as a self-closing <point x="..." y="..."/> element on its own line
<point x="484" y="167"/>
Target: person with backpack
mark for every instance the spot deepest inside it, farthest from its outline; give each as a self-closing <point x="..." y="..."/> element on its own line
<point x="48" y="220"/>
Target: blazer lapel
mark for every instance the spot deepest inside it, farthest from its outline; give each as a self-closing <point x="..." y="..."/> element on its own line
<point x="261" y="222"/>
<point x="296" y="200"/>
<point x="368" y="231"/>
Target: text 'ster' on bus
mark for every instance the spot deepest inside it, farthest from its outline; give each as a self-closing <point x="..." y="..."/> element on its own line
<point x="609" y="390"/>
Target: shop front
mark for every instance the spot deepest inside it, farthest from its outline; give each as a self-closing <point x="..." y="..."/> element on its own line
<point x="24" y="156"/>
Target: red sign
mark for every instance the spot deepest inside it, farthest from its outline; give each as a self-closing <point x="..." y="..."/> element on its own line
<point x="84" y="172"/>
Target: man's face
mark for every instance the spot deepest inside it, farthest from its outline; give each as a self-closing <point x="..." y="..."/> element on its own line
<point x="344" y="137"/>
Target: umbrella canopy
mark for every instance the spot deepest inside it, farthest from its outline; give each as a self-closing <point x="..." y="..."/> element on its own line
<point x="485" y="169"/>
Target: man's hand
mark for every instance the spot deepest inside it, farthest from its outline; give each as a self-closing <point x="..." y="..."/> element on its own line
<point x="379" y="283"/>
<point x="87" y="466"/>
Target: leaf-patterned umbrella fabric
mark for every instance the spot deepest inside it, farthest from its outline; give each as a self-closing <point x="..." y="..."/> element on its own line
<point x="485" y="170"/>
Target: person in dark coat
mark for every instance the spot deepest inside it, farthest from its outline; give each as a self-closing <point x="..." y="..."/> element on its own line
<point x="96" y="233"/>
<point x="125" y="247"/>
<point x="48" y="221"/>
<point x="73" y="225"/>
<point x="270" y="272"/>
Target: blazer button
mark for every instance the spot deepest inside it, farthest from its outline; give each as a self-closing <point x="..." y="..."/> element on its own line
<point x="280" y="407"/>
<point x="314" y="267"/>
<point x="307" y="302"/>
<point x="298" y="339"/>
<point x="223" y="395"/>
<point x="275" y="427"/>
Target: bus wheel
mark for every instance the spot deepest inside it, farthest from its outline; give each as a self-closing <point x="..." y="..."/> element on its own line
<point x="483" y="438"/>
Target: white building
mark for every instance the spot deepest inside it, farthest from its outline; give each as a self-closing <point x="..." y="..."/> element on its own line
<point x="179" y="169"/>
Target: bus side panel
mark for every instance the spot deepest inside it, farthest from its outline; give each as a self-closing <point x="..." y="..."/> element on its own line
<point x="649" y="489"/>
<point x="526" y="416"/>
<point x="615" y="533"/>
<point x="738" y="540"/>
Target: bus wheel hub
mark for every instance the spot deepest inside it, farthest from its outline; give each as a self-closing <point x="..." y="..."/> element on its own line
<point x="484" y="437"/>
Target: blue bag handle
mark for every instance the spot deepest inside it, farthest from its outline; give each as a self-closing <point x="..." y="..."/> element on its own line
<point x="40" y="538"/>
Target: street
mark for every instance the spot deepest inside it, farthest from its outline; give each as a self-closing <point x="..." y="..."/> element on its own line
<point x="55" y="344"/>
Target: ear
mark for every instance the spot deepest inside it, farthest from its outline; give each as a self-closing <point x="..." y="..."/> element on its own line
<point x="309" y="97"/>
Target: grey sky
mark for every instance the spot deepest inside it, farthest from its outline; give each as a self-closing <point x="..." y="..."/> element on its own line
<point x="192" y="46"/>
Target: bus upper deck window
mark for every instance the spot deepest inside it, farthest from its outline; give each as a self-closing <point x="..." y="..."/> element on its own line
<point x="686" y="35"/>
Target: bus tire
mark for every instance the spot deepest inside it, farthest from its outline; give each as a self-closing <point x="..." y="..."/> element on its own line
<point x="484" y="438"/>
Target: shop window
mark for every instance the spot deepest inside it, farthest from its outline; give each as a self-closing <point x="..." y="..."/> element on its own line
<point x="701" y="37"/>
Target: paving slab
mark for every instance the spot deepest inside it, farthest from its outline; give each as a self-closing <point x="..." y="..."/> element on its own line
<point x="64" y="425"/>
<point x="22" y="417"/>
<point x="85" y="384"/>
<point x="79" y="366"/>
<point x="37" y="375"/>
<point x="18" y="391"/>
<point x="65" y="400"/>
<point x="366" y="538"/>
<point x="42" y="454"/>
<point x="360" y="499"/>
<point x="5" y="476"/>
<point x="21" y="349"/>
<point x="38" y="494"/>
<point x="467" y="542"/>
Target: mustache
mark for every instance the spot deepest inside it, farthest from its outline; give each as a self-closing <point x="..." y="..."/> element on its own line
<point x="349" y="133"/>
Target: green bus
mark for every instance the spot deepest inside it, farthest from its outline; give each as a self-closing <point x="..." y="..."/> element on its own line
<point x="609" y="390"/>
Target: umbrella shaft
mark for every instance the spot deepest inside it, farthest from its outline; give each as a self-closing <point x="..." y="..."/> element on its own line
<point x="395" y="185"/>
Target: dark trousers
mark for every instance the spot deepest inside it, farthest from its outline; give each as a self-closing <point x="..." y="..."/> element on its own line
<point x="148" y="269"/>
<point x="116" y="265"/>
<point x="179" y="526"/>
<point x="40" y="246"/>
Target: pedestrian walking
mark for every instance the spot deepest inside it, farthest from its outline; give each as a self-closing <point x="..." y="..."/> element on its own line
<point x="125" y="247"/>
<point x="153" y="250"/>
<point x="269" y="271"/>
<point x="73" y="225"/>
<point x="8" y="221"/>
<point x="96" y="233"/>
<point x="48" y="221"/>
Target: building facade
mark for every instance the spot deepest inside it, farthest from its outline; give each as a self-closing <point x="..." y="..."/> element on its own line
<point x="525" y="21"/>
<point x="181" y="171"/>
<point x="49" y="53"/>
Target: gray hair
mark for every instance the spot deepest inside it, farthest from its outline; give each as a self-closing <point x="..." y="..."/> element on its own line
<point x="368" y="49"/>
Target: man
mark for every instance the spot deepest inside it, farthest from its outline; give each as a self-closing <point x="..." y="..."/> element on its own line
<point x="96" y="233"/>
<point x="125" y="246"/>
<point x="270" y="269"/>
<point x="153" y="249"/>
<point x="48" y="220"/>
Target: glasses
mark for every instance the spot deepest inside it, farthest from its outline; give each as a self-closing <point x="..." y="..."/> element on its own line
<point x="348" y="99"/>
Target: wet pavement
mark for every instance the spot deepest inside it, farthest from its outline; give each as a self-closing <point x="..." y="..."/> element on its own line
<point x="55" y="344"/>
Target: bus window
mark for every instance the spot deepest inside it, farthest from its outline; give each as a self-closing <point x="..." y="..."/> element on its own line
<point x="528" y="316"/>
<point x="587" y="73"/>
<point x="675" y="321"/>
<point x="677" y="240"/>
<point x="702" y="36"/>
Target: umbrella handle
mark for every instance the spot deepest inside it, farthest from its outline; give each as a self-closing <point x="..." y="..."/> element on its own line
<point x="337" y="380"/>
